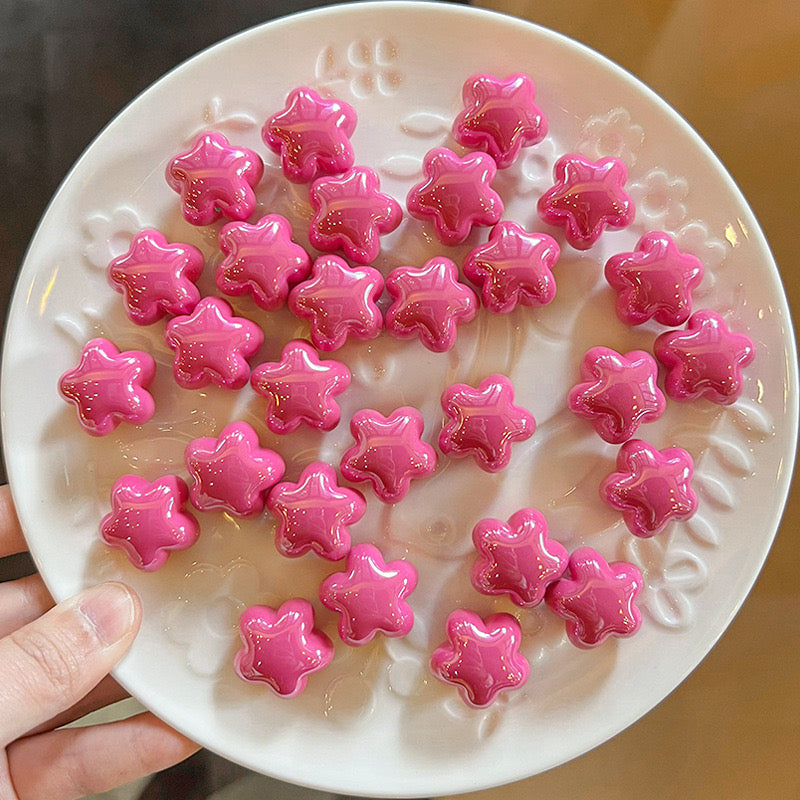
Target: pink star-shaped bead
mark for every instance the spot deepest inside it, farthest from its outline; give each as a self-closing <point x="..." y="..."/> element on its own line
<point x="481" y="657"/>
<point x="651" y="487"/>
<point x="597" y="599"/>
<point x="212" y="346"/>
<point x="281" y="648"/>
<point x="261" y="260"/>
<point x="655" y="281"/>
<point x="484" y="422"/>
<point x="339" y="301"/>
<point x="514" y="267"/>
<point x="350" y="214"/>
<point x="147" y="520"/>
<point x="311" y="135"/>
<point x="232" y="472"/>
<point x="456" y="194"/>
<point x="313" y="514"/>
<point x="108" y="387"/>
<point x="429" y="303"/>
<point x="301" y="389"/>
<point x="215" y="179"/>
<point x="517" y="559"/>
<point x="156" y="278"/>
<point x="389" y="452"/>
<point x="705" y="360"/>
<point x="618" y="393"/>
<point x="499" y="117"/>
<point x="588" y="197"/>
<point x="370" y="596"/>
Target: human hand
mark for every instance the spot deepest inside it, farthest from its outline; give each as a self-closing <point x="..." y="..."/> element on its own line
<point x="54" y="665"/>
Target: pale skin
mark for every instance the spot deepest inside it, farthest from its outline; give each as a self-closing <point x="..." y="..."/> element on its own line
<point x="54" y="668"/>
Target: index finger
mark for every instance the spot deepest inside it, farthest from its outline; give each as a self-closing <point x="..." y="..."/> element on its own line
<point x="11" y="539"/>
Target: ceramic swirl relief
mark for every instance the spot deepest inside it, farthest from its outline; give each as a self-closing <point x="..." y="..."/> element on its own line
<point x="558" y="470"/>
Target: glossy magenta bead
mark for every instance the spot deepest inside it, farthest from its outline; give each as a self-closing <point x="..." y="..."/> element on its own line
<point x="481" y="657"/>
<point x="651" y="487"/>
<point x="370" y="596"/>
<point x="484" y="422"/>
<point x="456" y="194"/>
<point x="617" y="393"/>
<point x="515" y="267"/>
<point x="517" y="558"/>
<point x="301" y="389"/>
<point x="108" y="387"/>
<point x="587" y="198"/>
<point x="215" y="179"/>
<point x="147" y="520"/>
<point x="156" y="278"/>
<point x="388" y="452"/>
<point x="705" y="360"/>
<point x="339" y="301"/>
<point x="655" y="281"/>
<point x="212" y="346"/>
<point x="351" y="214"/>
<point x="261" y="260"/>
<point x="232" y="472"/>
<point x="311" y="135"/>
<point x="597" y="599"/>
<point x="499" y="116"/>
<point x="314" y="514"/>
<point x="429" y="303"/>
<point x="281" y="647"/>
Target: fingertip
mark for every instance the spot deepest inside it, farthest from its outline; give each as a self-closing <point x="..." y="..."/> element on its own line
<point x="113" y="611"/>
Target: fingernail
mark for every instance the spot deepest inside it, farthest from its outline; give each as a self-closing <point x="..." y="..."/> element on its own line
<point x="110" y="609"/>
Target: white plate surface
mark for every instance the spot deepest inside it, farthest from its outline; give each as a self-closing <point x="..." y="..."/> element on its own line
<point x="375" y="722"/>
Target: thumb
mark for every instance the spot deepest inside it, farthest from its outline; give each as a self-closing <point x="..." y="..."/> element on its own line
<point x="51" y="663"/>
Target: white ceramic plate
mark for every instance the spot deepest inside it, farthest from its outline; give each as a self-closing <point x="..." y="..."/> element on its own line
<point x="375" y="722"/>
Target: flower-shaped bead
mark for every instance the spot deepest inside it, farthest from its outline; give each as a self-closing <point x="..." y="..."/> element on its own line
<point x="108" y="387"/>
<point x="499" y="116"/>
<point x="281" y="647"/>
<point x="388" y="452"/>
<point x="147" y="520"/>
<point x="215" y="179"/>
<point x="301" y="389"/>
<point x="587" y="198"/>
<point x="261" y="260"/>
<point x="514" y="267"/>
<point x="481" y="657"/>
<point x="313" y="514"/>
<point x="617" y="393"/>
<point x="651" y="487"/>
<point x="232" y="472"/>
<point x="597" y="599"/>
<point x="339" y="301"/>
<point x="517" y="559"/>
<point x="705" y="360"/>
<point x="212" y="346"/>
<point x="456" y="194"/>
<point x="351" y="213"/>
<point x="156" y="278"/>
<point x="429" y="302"/>
<point x="311" y="135"/>
<point x="654" y="281"/>
<point x="370" y="596"/>
<point x="484" y="422"/>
